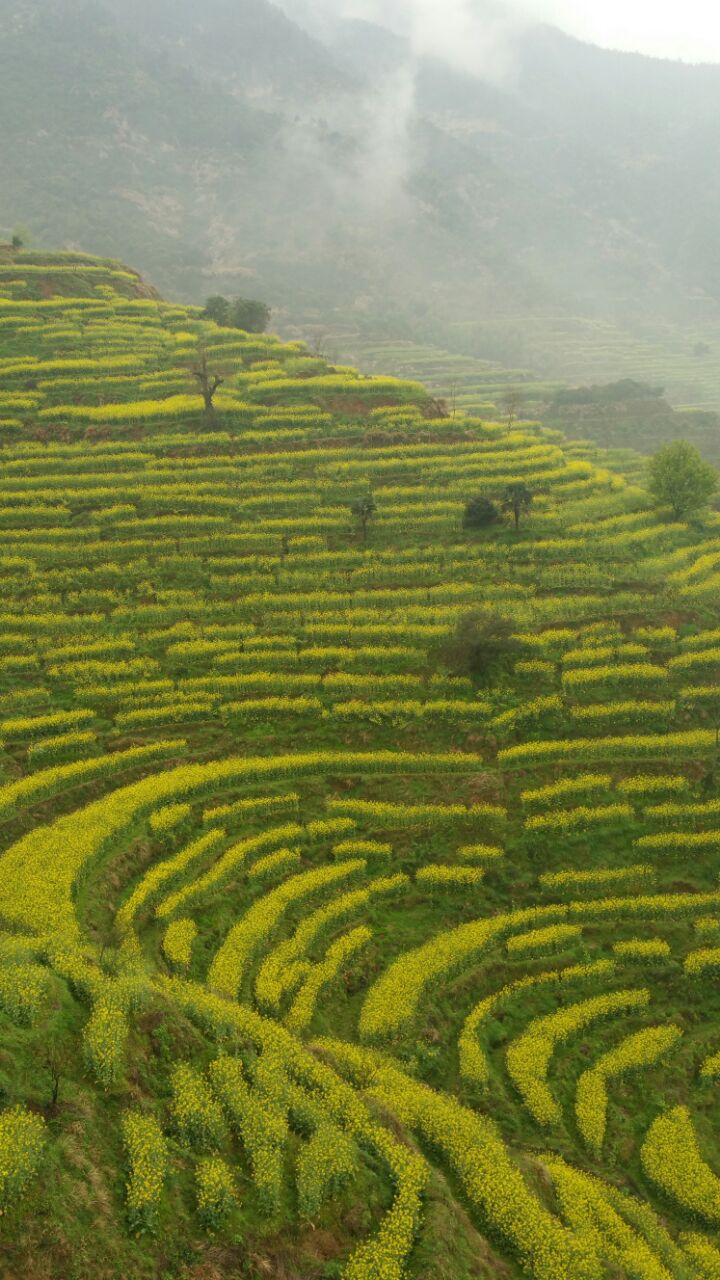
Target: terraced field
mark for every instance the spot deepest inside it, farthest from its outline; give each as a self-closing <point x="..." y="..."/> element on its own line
<point x="484" y="388"/>
<point x="319" y="958"/>
<point x="552" y="352"/>
<point x="470" y="386"/>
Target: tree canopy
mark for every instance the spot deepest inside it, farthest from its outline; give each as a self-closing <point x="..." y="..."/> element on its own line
<point x="480" y="513"/>
<point x="364" y="509"/>
<point x="479" y="641"/>
<point x="681" y="479"/>
<point x="238" y="313"/>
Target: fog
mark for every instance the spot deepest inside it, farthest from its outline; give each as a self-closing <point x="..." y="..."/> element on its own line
<point x="443" y="171"/>
<point x="471" y="37"/>
<point x="477" y="34"/>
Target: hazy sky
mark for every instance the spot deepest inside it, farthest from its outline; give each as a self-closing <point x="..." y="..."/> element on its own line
<point x="468" y="31"/>
<point x="664" y="28"/>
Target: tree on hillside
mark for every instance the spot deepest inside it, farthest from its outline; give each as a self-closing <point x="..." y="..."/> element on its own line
<point x="250" y="314"/>
<point x="208" y="382"/>
<point x="57" y="1057"/>
<point x="479" y="642"/>
<point x="238" y="313"/>
<point x="511" y="404"/>
<point x="518" y="500"/>
<point x="480" y="513"/>
<point x="20" y="238"/>
<point x="217" y="308"/>
<point x="364" y="509"/>
<point x="681" y="479"/>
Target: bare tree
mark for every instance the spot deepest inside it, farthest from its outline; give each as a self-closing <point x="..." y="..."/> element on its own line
<point x="318" y="343"/>
<point x="208" y="381"/>
<point x="511" y="404"/>
<point x="56" y="1057"/>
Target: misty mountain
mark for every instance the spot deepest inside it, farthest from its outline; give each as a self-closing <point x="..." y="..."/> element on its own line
<point x="223" y="147"/>
<point x="249" y="45"/>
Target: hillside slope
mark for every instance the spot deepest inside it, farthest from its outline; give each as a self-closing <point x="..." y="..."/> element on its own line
<point x="323" y="948"/>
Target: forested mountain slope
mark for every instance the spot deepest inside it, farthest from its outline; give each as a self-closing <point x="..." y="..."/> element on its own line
<point x="560" y="218"/>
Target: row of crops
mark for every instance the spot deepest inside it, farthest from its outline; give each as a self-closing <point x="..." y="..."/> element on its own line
<point x="319" y="954"/>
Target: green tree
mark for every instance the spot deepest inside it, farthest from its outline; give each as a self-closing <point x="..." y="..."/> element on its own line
<point x="518" y="500"/>
<point x="480" y="641"/>
<point x="250" y="315"/>
<point x="480" y="513"/>
<point x="217" y="308"/>
<point x="20" y="238"/>
<point x="238" y="313"/>
<point x="681" y="479"/>
<point x="364" y="509"/>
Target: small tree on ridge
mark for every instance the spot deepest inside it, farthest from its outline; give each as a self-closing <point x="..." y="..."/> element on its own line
<point x="511" y="403"/>
<point x="208" y="382"/>
<point x="518" y="500"/>
<point x="364" y="509"/>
